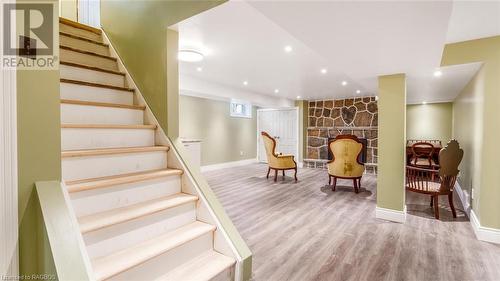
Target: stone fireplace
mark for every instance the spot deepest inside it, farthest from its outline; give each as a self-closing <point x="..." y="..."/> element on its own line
<point x="330" y="118"/>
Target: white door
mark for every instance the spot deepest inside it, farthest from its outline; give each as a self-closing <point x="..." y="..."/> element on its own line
<point x="281" y="124"/>
<point x="89" y="12"/>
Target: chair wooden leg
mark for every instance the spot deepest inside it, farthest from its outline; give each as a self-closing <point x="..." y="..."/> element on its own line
<point x="450" y="200"/>
<point x="334" y="183"/>
<point x="283" y="174"/>
<point x="436" y="206"/>
<point x="275" y="175"/>
<point x="432" y="201"/>
<point x="268" y="171"/>
<point x="359" y="183"/>
<point x="329" y="180"/>
<point x="295" y="175"/>
<point x="355" y="181"/>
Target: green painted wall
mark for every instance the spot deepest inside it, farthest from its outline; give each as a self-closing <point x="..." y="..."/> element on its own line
<point x="223" y="136"/>
<point x="68" y="9"/>
<point x="429" y="121"/>
<point x="486" y="50"/>
<point x="138" y="31"/>
<point x="391" y="142"/>
<point x="467" y="129"/>
<point x="39" y="158"/>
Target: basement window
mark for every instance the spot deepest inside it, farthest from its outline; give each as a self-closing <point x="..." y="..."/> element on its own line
<point x="240" y="109"/>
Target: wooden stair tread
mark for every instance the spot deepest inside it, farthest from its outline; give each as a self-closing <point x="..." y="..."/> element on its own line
<point x="106" y="126"/>
<point x="86" y="52"/>
<point x="95" y="183"/>
<point x="82" y="38"/>
<point x="202" y="268"/>
<point x="79" y="25"/>
<point x="110" y="151"/>
<point x="100" y="220"/>
<point x="113" y="264"/>
<point x="103" y="104"/>
<point x="91" y="84"/>
<point x="91" y="68"/>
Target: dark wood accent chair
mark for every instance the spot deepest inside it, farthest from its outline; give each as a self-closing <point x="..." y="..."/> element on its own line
<point x="437" y="182"/>
<point x="277" y="161"/>
<point x="422" y="153"/>
<point x="345" y="164"/>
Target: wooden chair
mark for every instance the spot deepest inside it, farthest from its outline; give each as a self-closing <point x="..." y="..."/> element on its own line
<point x="437" y="182"/>
<point x="345" y="164"/>
<point x="277" y="162"/>
<point x="422" y="153"/>
<point x="437" y="143"/>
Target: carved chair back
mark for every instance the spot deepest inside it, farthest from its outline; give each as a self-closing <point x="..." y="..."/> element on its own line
<point x="345" y="150"/>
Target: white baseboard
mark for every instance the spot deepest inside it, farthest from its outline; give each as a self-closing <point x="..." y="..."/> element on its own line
<point x="228" y="164"/>
<point x="391" y="215"/>
<point x="486" y="234"/>
<point x="464" y="198"/>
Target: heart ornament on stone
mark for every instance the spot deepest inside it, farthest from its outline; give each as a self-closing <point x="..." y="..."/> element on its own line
<point x="348" y="114"/>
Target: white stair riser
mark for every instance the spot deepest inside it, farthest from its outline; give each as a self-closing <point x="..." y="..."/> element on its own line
<point x="157" y="266"/>
<point x="120" y="236"/>
<point x="107" y="198"/>
<point x="88" y="93"/>
<point x="77" y="138"/>
<point x="93" y="76"/>
<point x="80" y="32"/>
<point x="90" y="60"/>
<point x="83" y="45"/>
<point x="86" y="114"/>
<point x="77" y="168"/>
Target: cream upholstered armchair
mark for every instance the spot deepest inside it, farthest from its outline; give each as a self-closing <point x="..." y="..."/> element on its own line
<point x="277" y="162"/>
<point x="345" y="164"/>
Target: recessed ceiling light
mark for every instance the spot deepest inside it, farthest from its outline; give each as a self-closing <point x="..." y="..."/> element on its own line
<point x="424" y="102"/>
<point x="245" y="83"/>
<point x="324" y="71"/>
<point x="298" y="97"/>
<point x="288" y="49"/>
<point x="276" y="91"/>
<point x="190" y="56"/>
<point x="199" y="69"/>
<point x="438" y="73"/>
<point x="358" y="91"/>
<point x="344" y="83"/>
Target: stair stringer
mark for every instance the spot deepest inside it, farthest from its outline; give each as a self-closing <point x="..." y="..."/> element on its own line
<point x="222" y="243"/>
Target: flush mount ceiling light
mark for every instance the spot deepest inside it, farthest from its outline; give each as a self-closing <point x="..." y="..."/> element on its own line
<point x="276" y="91"/>
<point x="199" y="69"/>
<point x="358" y="91"/>
<point x="298" y="97"/>
<point x="288" y="49"/>
<point x="438" y="73"/>
<point x="424" y="102"/>
<point x="344" y="83"/>
<point x="190" y="56"/>
<point x="245" y="83"/>
<point x="324" y="71"/>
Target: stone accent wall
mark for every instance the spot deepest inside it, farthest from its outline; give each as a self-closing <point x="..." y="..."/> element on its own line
<point x="329" y="118"/>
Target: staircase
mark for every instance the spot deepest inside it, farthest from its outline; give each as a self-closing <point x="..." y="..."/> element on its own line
<point x="135" y="221"/>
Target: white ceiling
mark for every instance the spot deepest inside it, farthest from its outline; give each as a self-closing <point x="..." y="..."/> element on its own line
<point x="473" y="19"/>
<point x="355" y="41"/>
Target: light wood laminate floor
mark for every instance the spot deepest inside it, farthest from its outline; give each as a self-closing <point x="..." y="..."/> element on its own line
<point x="304" y="231"/>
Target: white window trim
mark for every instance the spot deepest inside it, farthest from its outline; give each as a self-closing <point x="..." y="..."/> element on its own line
<point x="245" y="104"/>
